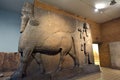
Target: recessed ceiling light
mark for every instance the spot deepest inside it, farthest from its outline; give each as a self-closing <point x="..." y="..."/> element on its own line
<point x="100" y="6"/>
<point x="96" y="10"/>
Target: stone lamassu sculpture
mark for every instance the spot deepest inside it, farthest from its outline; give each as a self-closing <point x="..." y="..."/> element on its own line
<point x="38" y="37"/>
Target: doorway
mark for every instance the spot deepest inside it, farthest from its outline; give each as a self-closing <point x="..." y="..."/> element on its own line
<point x="96" y="53"/>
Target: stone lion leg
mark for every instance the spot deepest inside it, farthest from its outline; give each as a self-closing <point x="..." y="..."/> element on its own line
<point x="26" y="59"/>
<point x="75" y="59"/>
<point x="59" y="67"/>
<point x="74" y="54"/>
<point x="39" y="61"/>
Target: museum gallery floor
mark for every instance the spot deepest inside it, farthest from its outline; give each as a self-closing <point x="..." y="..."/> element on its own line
<point x="106" y="74"/>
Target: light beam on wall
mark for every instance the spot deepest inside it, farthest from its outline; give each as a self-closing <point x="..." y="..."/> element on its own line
<point x="96" y="54"/>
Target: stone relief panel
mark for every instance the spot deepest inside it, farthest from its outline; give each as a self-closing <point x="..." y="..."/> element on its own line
<point x="59" y="22"/>
<point x="50" y="42"/>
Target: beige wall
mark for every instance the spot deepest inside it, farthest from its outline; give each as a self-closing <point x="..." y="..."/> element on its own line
<point x="96" y="33"/>
<point x="110" y="32"/>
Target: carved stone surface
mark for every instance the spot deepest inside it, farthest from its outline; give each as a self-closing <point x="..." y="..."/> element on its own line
<point x="46" y="39"/>
<point x="5" y="75"/>
<point x="27" y="13"/>
<point x="64" y="74"/>
<point x="61" y="75"/>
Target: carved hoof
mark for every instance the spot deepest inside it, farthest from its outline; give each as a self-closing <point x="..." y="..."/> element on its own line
<point x="17" y="76"/>
<point x="58" y="69"/>
<point x="42" y="71"/>
<point x="76" y="66"/>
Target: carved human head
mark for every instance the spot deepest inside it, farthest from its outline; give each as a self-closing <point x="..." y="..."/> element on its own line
<point x="27" y="8"/>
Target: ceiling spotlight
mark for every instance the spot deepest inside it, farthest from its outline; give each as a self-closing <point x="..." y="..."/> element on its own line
<point x="96" y="10"/>
<point x="100" y="5"/>
<point x="113" y="2"/>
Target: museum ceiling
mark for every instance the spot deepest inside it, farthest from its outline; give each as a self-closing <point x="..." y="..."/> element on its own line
<point x="86" y="8"/>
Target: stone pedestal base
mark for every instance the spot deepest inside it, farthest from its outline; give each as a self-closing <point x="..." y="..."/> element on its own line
<point x="65" y="74"/>
<point x="87" y="69"/>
